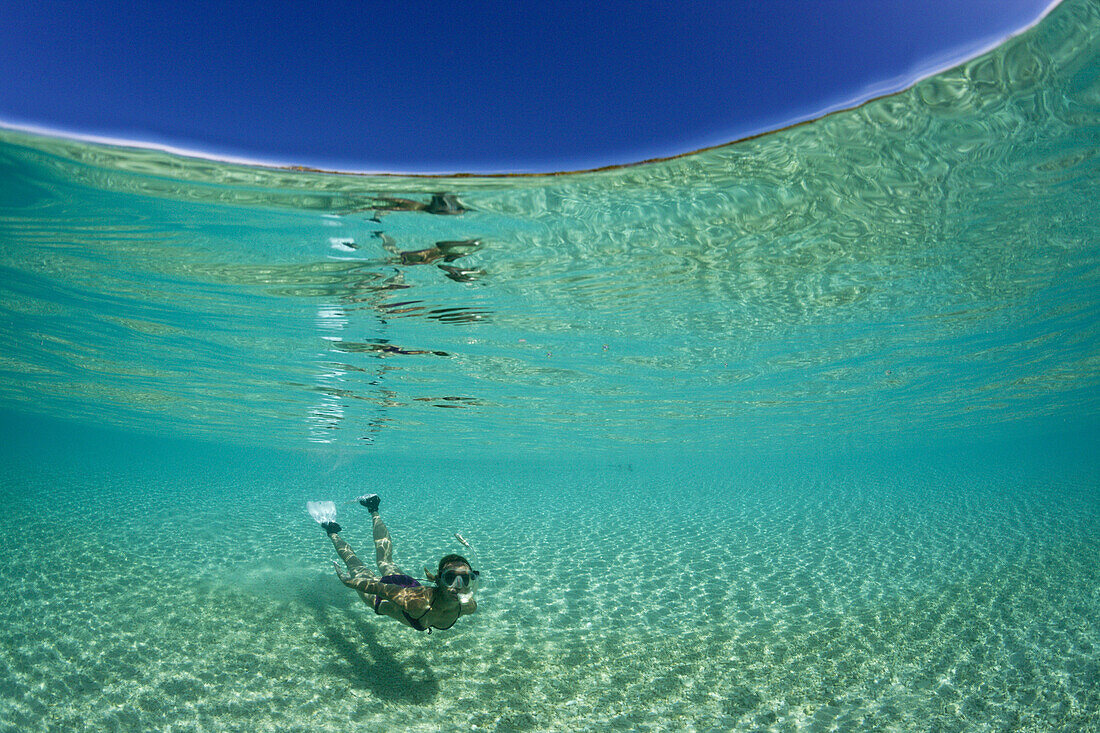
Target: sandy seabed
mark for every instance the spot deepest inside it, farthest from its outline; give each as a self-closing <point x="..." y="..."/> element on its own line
<point x="610" y="600"/>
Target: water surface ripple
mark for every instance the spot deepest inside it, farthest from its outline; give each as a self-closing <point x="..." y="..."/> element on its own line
<point x="925" y="262"/>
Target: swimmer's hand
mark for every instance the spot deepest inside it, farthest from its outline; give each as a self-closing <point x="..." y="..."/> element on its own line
<point x="344" y="577"/>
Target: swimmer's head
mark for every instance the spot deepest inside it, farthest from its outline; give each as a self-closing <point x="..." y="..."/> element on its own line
<point x="455" y="574"/>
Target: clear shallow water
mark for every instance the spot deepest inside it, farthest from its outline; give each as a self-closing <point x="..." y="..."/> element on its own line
<point x="796" y="433"/>
<point x="186" y="589"/>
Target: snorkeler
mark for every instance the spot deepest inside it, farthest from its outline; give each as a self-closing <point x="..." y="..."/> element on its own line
<point x="443" y="204"/>
<point x="447" y="251"/>
<point x="396" y="594"/>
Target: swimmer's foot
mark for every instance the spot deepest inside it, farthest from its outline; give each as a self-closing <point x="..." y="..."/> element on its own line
<point x="330" y="527"/>
<point x="370" y="501"/>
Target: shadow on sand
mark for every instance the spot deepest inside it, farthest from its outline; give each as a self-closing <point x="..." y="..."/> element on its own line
<point x="369" y="665"/>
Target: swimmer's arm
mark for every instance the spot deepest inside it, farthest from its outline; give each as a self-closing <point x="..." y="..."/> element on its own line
<point x="468" y="607"/>
<point x="399" y="594"/>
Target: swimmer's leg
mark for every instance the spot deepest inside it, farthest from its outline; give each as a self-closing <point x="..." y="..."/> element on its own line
<point x="343" y="549"/>
<point x="356" y="567"/>
<point x="383" y="545"/>
<point x="383" y="548"/>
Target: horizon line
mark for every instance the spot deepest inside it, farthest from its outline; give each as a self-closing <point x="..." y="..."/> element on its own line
<point x="880" y="90"/>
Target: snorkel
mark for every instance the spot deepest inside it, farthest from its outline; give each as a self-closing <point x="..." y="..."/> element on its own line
<point x="466" y="594"/>
<point x="469" y="593"/>
<point x="468" y="546"/>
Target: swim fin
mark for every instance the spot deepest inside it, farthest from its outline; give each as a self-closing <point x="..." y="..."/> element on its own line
<point x="324" y="513"/>
<point x="321" y="511"/>
<point x="370" y="501"/>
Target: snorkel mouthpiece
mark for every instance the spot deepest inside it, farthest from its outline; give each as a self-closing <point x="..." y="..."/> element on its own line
<point x="464" y="586"/>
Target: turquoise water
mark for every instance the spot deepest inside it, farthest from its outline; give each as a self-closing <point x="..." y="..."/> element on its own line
<point x="795" y="434"/>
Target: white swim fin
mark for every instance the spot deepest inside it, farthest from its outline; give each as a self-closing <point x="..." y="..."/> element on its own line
<point x="322" y="511"/>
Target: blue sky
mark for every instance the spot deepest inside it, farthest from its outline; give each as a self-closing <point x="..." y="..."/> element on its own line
<point x="472" y="87"/>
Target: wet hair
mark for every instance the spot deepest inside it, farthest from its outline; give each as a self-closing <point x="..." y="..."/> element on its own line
<point x="449" y="559"/>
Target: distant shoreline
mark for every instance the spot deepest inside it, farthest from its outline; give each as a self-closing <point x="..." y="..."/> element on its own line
<point x="888" y="88"/>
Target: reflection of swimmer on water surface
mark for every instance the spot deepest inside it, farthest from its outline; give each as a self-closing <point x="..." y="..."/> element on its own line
<point x="381" y="348"/>
<point x="447" y="251"/>
<point x="443" y="204"/>
<point x="461" y="274"/>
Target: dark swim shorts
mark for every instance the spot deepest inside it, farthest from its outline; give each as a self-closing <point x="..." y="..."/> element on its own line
<point x="405" y="581"/>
